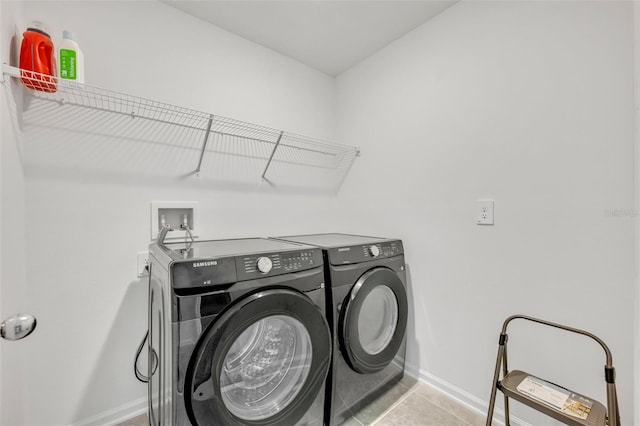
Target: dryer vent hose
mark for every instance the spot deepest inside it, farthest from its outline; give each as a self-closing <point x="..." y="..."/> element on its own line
<point x="154" y="362"/>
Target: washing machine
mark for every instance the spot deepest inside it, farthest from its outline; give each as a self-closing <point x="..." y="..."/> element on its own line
<point x="367" y="309"/>
<point x="237" y="333"/>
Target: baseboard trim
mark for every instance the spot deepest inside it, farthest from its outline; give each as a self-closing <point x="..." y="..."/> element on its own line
<point x="116" y="415"/>
<point x="461" y="396"/>
<point x="130" y="410"/>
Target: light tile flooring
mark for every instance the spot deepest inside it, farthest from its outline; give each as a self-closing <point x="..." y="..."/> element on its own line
<point x="408" y="403"/>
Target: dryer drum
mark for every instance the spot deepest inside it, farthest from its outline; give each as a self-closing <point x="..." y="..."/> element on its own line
<point x="378" y="319"/>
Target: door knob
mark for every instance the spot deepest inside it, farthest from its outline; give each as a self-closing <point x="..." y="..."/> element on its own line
<point x="17" y="326"/>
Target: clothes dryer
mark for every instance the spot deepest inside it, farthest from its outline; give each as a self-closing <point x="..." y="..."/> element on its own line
<point x="368" y="310"/>
<point x="238" y="333"/>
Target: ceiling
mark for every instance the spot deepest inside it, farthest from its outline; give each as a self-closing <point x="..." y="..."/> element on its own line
<point x="330" y="36"/>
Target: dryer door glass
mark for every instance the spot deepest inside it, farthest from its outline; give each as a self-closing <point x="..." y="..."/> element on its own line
<point x="265" y="368"/>
<point x="378" y="319"/>
<point x="373" y="320"/>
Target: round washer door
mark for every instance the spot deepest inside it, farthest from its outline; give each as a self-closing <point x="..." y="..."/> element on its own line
<point x="262" y="362"/>
<point x="373" y="320"/>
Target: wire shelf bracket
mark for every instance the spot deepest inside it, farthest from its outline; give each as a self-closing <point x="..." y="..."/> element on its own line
<point x="204" y="144"/>
<point x="275" y="148"/>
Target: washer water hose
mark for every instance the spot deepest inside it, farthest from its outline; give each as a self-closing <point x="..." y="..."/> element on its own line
<point x="152" y="353"/>
<point x="139" y="375"/>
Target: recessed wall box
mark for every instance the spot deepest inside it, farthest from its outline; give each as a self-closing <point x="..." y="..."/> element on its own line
<point x="174" y="214"/>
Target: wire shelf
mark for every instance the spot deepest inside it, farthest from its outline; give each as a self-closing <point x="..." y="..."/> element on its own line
<point x="184" y="137"/>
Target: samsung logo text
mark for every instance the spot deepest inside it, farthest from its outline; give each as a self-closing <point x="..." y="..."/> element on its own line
<point x="202" y="264"/>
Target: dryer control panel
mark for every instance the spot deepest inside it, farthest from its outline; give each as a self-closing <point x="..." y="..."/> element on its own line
<point x="364" y="253"/>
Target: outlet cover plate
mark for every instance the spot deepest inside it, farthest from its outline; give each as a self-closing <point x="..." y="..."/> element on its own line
<point x="143" y="263"/>
<point x="485" y="212"/>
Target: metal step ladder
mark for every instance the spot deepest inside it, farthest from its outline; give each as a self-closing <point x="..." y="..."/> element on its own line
<point x="547" y="397"/>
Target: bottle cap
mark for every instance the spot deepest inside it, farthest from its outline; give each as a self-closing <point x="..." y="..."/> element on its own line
<point x="38" y="27"/>
<point x="69" y="35"/>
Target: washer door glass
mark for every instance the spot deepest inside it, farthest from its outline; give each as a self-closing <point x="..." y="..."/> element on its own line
<point x="378" y="319"/>
<point x="262" y="362"/>
<point x="265" y="368"/>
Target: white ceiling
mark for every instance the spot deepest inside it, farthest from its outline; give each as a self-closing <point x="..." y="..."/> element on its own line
<point x="330" y="36"/>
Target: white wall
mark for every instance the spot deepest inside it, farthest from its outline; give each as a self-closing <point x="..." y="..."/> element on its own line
<point x="13" y="298"/>
<point x="85" y="228"/>
<point x="530" y="104"/>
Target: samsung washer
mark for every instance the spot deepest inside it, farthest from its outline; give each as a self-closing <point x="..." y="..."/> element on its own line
<point x="368" y="310"/>
<point x="238" y="334"/>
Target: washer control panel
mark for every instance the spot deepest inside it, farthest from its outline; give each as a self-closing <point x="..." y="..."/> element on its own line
<point x="269" y="264"/>
<point x="203" y="272"/>
<point x="222" y="271"/>
<point x="258" y="265"/>
<point x="366" y="252"/>
<point x="301" y="260"/>
<point x="264" y="264"/>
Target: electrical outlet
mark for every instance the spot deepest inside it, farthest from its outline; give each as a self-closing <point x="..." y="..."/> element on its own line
<point x="143" y="264"/>
<point x="485" y="212"/>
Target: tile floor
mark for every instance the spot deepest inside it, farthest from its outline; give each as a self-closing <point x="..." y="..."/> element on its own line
<point x="408" y="403"/>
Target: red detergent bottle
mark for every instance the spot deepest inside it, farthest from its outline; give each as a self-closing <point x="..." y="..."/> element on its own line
<point x="36" y="56"/>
